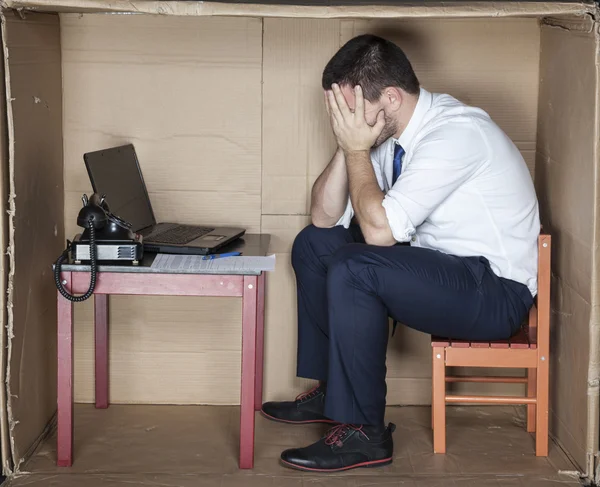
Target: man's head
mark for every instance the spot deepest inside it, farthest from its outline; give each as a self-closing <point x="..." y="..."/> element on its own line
<point x="384" y="73"/>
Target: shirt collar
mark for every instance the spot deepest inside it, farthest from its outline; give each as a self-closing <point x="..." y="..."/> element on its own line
<point x="423" y="105"/>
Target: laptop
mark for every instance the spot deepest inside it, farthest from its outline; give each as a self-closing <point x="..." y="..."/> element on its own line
<point x="116" y="173"/>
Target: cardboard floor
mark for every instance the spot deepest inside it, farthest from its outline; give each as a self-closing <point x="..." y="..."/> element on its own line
<point x="188" y="446"/>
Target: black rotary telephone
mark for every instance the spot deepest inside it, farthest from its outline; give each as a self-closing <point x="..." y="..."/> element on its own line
<point x="105" y="237"/>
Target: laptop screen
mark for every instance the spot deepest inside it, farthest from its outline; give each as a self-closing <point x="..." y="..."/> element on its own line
<point x="116" y="173"/>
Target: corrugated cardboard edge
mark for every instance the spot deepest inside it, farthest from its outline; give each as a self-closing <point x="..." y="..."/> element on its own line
<point x="7" y="465"/>
<point x="583" y="23"/>
<point x="415" y="9"/>
<point x="4" y="181"/>
<point x="593" y="424"/>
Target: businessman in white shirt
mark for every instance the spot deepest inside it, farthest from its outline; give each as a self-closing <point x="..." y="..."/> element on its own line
<point x="426" y="214"/>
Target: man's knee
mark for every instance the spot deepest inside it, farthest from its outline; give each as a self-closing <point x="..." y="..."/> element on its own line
<point x="312" y="242"/>
<point x="349" y="270"/>
<point x="303" y="243"/>
<point x="346" y="263"/>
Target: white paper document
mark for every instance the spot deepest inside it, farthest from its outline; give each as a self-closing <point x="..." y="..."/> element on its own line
<point x="195" y="263"/>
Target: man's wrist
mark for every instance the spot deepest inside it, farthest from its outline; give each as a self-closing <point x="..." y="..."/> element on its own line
<point x="356" y="154"/>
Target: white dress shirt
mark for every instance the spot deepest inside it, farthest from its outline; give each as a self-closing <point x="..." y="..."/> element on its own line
<point x="464" y="189"/>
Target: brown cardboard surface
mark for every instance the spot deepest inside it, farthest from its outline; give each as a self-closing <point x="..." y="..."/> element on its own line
<point x="4" y="263"/>
<point x="195" y="480"/>
<point x="119" y="74"/>
<point x="162" y="445"/>
<point x="7" y="332"/>
<point x="593" y="384"/>
<point x="313" y="8"/>
<point x="296" y="131"/>
<point x="35" y="84"/>
<point x="280" y="334"/>
<point x="163" y="351"/>
<point x="566" y="170"/>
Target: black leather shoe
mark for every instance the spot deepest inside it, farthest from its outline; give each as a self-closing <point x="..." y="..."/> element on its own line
<point x="307" y="408"/>
<point x="343" y="448"/>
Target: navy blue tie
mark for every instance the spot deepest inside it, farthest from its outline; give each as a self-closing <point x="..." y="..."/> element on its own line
<point x="398" y="153"/>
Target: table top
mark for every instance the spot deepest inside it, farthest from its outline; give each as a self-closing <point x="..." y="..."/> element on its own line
<point x="250" y="245"/>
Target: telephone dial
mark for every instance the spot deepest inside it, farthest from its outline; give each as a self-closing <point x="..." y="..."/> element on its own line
<point x="105" y="238"/>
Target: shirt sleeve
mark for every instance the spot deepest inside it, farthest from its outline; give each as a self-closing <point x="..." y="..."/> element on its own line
<point x="346" y="218"/>
<point x="441" y="162"/>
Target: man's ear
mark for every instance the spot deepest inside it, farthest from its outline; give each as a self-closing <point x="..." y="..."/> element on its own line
<point x="392" y="98"/>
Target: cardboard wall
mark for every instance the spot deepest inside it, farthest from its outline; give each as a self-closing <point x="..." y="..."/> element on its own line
<point x="566" y="178"/>
<point x="227" y="118"/>
<point x="36" y="205"/>
<point x="4" y="263"/>
<point x="186" y="93"/>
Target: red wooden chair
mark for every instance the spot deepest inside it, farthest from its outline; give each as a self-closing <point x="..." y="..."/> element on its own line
<point x="527" y="349"/>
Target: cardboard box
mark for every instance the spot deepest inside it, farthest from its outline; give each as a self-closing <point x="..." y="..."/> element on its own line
<point x="223" y="103"/>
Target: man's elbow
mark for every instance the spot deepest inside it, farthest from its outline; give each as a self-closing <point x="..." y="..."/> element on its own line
<point x="321" y="224"/>
<point x="380" y="236"/>
<point x="322" y="221"/>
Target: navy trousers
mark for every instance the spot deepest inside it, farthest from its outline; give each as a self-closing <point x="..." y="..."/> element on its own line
<point x="348" y="289"/>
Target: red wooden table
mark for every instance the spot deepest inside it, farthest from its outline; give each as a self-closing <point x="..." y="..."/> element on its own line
<point x="249" y="286"/>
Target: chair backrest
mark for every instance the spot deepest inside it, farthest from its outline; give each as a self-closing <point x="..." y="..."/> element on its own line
<point x="539" y="315"/>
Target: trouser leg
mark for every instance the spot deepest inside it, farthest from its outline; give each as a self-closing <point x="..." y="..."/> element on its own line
<point x="311" y="254"/>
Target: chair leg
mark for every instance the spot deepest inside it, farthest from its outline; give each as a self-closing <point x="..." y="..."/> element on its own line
<point x="433" y="379"/>
<point x="541" y="416"/>
<point x="531" y="387"/>
<point x="439" y="400"/>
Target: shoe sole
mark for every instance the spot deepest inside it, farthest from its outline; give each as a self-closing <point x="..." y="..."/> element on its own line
<point x="287" y="421"/>
<point x="374" y="463"/>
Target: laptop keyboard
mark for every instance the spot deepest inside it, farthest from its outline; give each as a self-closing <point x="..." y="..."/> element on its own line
<point x="179" y="235"/>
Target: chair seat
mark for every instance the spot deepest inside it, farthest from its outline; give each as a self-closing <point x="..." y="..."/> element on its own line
<point x="519" y="340"/>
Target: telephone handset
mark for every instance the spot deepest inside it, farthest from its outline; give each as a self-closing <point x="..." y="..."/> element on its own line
<point x="105" y="237"/>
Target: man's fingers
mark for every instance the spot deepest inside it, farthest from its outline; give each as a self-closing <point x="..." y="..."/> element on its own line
<point x="380" y="123"/>
<point x="359" y="108"/>
<point x="326" y="103"/>
<point x="341" y="101"/>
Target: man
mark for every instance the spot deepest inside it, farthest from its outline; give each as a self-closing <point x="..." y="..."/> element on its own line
<point x="411" y="167"/>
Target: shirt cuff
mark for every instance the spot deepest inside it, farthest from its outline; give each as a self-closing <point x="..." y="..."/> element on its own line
<point x="344" y="222"/>
<point x="400" y="224"/>
<point x="346" y="218"/>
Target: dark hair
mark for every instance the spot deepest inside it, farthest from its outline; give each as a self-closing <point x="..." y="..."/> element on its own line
<point x="374" y="64"/>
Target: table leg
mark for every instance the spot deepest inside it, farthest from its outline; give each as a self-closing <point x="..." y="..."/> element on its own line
<point x="260" y="341"/>
<point x="101" y="345"/>
<point x="65" y="377"/>
<point x="249" y="315"/>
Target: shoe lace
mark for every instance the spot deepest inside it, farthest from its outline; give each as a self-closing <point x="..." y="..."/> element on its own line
<point x="337" y="434"/>
<point x="308" y="394"/>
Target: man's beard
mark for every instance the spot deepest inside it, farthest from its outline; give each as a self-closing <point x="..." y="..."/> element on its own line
<point x="389" y="129"/>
